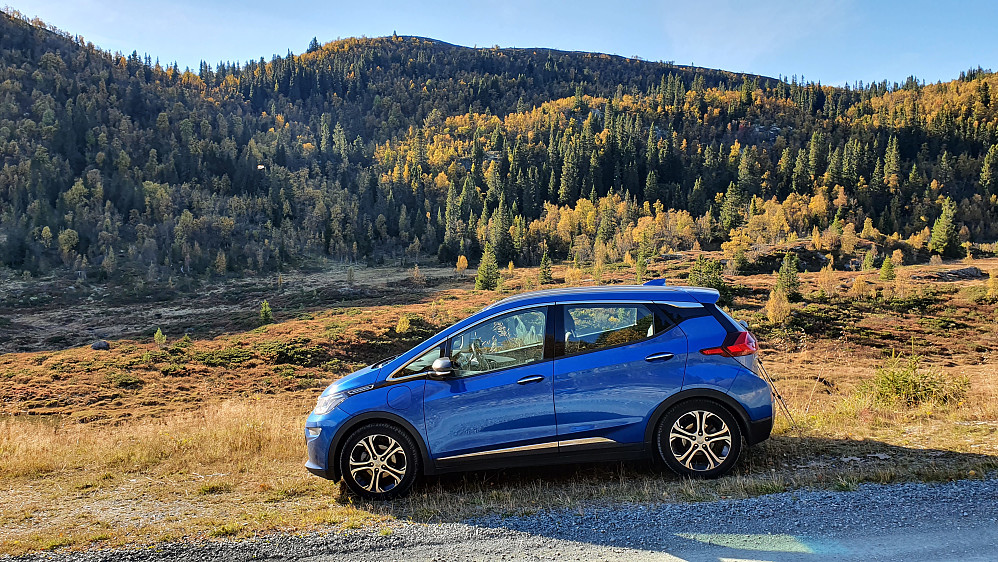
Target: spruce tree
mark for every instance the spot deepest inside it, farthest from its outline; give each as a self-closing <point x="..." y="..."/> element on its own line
<point x="731" y="208"/>
<point x="887" y="270"/>
<point x="945" y="239"/>
<point x="544" y="273"/>
<point x="787" y="280"/>
<point x="488" y="270"/>
<point x="266" y="314"/>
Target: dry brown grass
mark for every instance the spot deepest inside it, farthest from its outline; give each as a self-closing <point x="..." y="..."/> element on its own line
<point x="217" y="450"/>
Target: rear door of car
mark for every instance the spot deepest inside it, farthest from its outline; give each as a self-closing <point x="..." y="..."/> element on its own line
<point x="615" y="363"/>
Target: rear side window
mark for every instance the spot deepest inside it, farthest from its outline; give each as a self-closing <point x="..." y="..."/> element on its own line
<point x="593" y="327"/>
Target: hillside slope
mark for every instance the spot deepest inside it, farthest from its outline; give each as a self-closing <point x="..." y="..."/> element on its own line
<point x="115" y="167"/>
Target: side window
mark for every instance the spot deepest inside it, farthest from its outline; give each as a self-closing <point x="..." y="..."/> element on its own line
<point x="420" y="364"/>
<point x="592" y="327"/>
<point x="506" y="341"/>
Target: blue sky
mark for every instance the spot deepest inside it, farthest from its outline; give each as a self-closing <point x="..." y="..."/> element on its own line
<point x="831" y="41"/>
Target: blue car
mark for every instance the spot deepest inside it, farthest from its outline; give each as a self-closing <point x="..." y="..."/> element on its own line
<point x="553" y="376"/>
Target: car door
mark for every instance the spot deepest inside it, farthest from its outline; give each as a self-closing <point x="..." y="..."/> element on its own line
<point x="499" y="401"/>
<point x="617" y="362"/>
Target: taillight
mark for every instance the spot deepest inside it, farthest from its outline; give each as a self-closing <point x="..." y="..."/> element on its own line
<point x="735" y="345"/>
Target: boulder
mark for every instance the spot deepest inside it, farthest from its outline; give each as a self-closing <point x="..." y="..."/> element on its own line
<point x="100" y="345"/>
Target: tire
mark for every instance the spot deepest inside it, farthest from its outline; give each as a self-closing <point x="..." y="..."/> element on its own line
<point x="379" y="461"/>
<point x="698" y="439"/>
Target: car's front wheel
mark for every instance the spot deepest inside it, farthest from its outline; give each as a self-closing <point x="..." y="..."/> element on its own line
<point x="698" y="438"/>
<point x="379" y="462"/>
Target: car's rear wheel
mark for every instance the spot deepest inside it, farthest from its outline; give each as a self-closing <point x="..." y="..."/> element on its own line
<point x="379" y="462"/>
<point x="698" y="438"/>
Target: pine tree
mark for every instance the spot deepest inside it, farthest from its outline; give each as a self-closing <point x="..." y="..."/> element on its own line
<point x="159" y="337"/>
<point x="488" y="270"/>
<point x="544" y="273"/>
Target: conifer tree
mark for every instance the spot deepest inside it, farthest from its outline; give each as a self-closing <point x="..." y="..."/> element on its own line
<point x="544" y="273"/>
<point x="887" y="270"/>
<point x="787" y="279"/>
<point x="488" y="270"/>
<point x="945" y="239"/>
<point x="731" y="208"/>
<point x="266" y="314"/>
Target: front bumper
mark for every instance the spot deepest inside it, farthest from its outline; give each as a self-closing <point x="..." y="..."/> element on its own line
<point x="319" y="432"/>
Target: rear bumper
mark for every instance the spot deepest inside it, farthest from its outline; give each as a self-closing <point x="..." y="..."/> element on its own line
<point x="758" y="431"/>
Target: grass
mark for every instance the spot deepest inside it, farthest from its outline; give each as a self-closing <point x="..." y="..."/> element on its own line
<point x="209" y="445"/>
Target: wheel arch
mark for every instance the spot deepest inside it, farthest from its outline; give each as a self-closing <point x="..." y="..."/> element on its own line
<point x="335" y="445"/>
<point x="725" y="400"/>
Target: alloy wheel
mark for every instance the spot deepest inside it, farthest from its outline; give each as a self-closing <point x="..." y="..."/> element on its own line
<point x="378" y="463"/>
<point x="700" y="440"/>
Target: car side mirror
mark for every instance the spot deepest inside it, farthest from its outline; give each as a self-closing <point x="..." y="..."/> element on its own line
<point x="441" y="369"/>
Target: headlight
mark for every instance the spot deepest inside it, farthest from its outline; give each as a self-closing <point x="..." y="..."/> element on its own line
<point x="328" y="402"/>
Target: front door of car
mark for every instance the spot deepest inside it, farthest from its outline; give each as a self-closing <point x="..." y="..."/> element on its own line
<point x="498" y="401"/>
<point x="618" y="363"/>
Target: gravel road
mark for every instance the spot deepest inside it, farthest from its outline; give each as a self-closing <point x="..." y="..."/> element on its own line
<point x="951" y="521"/>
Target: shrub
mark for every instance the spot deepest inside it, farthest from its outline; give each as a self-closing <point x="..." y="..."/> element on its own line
<point x="462" y="265"/>
<point x="159" y="338"/>
<point x="403" y="324"/>
<point x="862" y="289"/>
<point x="266" y="315"/>
<point x="903" y="287"/>
<point x="993" y="285"/>
<point x="828" y="282"/>
<point x="573" y="276"/>
<point x="227" y="357"/>
<point x="900" y="380"/>
<point x="707" y="273"/>
<point x="124" y="380"/>
<point x="936" y="259"/>
<point x="778" y="307"/>
<point x="416" y="277"/>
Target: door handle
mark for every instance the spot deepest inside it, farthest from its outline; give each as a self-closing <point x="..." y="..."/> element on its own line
<point x="530" y="379"/>
<point x="660" y="356"/>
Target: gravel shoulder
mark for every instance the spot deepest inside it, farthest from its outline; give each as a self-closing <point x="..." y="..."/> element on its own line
<point x="948" y="521"/>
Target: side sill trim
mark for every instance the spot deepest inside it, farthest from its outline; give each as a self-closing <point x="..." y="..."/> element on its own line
<point x="534" y="447"/>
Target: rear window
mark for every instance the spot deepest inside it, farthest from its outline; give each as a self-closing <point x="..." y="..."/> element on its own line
<point x="729" y="323"/>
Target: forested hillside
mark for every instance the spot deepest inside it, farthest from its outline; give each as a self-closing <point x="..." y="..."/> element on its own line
<point x="367" y="149"/>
